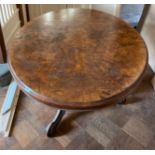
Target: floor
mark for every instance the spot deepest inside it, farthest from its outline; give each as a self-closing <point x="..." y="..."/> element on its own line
<point x="129" y="126"/>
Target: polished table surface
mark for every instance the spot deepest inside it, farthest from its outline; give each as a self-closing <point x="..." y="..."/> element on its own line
<point x="77" y="58"/>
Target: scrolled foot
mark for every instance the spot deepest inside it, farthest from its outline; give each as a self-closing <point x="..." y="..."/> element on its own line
<point x="51" y="128"/>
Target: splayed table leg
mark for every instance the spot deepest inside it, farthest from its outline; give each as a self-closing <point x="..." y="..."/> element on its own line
<point x="51" y="128"/>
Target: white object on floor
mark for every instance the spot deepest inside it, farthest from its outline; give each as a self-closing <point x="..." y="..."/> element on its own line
<point x="8" y="109"/>
<point x="153" y="82"/>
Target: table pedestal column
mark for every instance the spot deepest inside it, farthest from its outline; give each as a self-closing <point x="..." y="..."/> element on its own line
<point x="51" y="128"/>
<point x="122" y="102"/>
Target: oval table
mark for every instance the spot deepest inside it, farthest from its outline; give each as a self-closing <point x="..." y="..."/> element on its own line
<point x="77" y="59"/>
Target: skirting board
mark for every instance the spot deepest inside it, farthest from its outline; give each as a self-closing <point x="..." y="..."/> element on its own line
<point x="8" y="109"/>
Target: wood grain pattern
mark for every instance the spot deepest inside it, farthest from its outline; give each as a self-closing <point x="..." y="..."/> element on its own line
<point x="122" y="127"/>
<point x="77" y="58"/>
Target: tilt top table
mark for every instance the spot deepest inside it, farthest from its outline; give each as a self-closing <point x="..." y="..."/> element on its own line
<point x="77" y="59"/>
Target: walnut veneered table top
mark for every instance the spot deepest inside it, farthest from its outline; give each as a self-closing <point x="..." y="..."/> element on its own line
<point x="77" y="58"/>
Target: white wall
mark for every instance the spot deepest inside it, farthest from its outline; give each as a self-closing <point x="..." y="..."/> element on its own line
<point x="148" y="33"/>
<point x="109" y="8"/>
<point x="38" y="9"/>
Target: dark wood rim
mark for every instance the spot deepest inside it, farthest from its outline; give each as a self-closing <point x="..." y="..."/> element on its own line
<point x="55" y="103"/>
